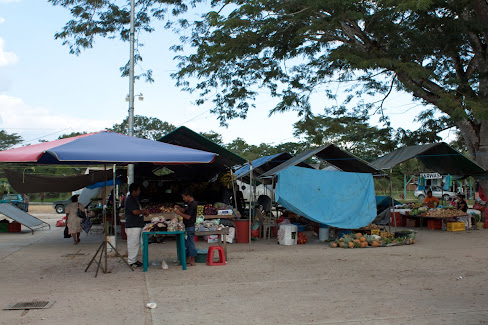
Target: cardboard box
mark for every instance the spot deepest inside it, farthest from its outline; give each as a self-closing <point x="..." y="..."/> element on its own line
<point x="410" y="223"/>
<point x="213" y="239"/>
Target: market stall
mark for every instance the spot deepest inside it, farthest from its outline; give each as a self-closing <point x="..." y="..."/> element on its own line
<point x="105" y="148"/>
<point x="416" y="215"/>
<point x="349" y="203"/>
<point x="436" y="157"/>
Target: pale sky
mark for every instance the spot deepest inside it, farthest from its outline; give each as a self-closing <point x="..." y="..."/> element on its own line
<point x="46" y="92"/>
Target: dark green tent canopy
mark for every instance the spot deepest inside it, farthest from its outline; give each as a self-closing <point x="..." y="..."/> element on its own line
<point x="438" y="157"/>
<point x="185" y="137"/>
<point x="334" y="155"/>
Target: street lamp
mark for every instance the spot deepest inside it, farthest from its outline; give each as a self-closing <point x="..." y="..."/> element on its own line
<point x="130" y="170"/>
<point x="139" y="96"/>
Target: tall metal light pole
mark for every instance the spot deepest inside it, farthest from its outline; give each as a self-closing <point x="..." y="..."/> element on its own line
<point x="130" y="171"/>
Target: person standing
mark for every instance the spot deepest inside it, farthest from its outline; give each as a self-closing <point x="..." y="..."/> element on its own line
<point x="134" y="222"/>
<point x="72" y="219"/>
<point x="431" y="201"/>
<point x="189" y="218"/>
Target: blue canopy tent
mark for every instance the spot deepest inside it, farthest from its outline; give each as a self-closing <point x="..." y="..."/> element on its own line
<point x="105" y="148"/>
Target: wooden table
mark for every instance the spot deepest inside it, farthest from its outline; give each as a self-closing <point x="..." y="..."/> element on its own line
<point x="223" y="232"/>
<point x="180" y="246"/>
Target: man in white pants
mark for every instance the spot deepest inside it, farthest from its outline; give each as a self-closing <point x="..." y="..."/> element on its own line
<point x="134" y="222"/>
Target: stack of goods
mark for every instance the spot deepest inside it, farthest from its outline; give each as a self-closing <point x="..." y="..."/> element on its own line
<point x="385" y="239"/>
<point x="200" y="210"/>
<point x="372" y="229"/>
<point x="208" y="225"/>
<point x="209" y="209"/>
<point x="411" y="205"/>
<point x="444" y="213"/>
<point x="160" y="224"/>
<point x="302" y="238"/>
<point x="160" y="208"/>
<point x="417" y="211"/>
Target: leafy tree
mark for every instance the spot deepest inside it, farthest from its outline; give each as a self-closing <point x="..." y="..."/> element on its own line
<point x="70" y="135"/>
<point x="350" y="131"/>
<point x="434" y="50"/>
<point x="249" y="151"/>
<point x="145" y="127"/>
<point x="213" y="136"/>
<point x="8" y="140"/>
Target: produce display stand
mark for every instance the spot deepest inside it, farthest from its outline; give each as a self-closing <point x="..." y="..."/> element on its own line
<point x="180" y="246"/>
<point x="223" y="232"/>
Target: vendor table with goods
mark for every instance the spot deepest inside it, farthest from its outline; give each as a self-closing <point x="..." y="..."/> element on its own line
<point x="443" y="216"/>
<point x="180" y="246"/>
<point x="171" y="215"/>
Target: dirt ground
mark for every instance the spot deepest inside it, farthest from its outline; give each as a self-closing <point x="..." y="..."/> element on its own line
<point x="270" y="284"/>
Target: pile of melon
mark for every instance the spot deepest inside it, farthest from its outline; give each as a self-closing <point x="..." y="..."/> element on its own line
<point x="359" y="240"/>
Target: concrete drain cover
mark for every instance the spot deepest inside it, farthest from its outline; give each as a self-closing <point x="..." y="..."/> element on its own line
<point x="30" y="305"/>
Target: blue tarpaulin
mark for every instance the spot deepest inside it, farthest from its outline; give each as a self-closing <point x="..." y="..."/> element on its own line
<point x="102" y="184"/>
<point x="338" y="199"/>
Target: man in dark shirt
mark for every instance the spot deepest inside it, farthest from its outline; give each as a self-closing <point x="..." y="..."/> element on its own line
<point x="189" y="218"/>
<point x="134" y="222"/>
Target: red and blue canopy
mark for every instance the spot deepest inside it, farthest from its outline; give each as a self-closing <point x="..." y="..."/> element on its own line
<point x="105" y="148"/>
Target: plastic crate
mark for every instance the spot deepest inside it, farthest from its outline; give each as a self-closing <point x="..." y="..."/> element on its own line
<point x="201" y="256"/>
<point x="14" y="227"/>
<point x="434" y="224"/>
<point x="456" y="226"/>
<point x="400" y="219"/>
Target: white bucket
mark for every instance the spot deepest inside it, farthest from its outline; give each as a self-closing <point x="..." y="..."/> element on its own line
<point x="287" y="235"/>
<point x="323" y="234"/>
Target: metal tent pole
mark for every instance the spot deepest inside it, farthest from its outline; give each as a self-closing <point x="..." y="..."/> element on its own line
<point x="114" y="208"/>
<point x="392" y="209"/>
<point x="105" y="238"/>
<point x="251" y="201"/>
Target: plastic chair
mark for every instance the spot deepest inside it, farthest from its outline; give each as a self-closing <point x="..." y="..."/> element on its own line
<point x="268" y="224"/>
<point x="210" y="254"/>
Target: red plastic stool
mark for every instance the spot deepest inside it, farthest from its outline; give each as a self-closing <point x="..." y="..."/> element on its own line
<point x="210" y="254"/>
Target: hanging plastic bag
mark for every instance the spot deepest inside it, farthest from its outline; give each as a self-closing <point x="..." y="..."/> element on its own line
<point x="86" y="225"/>
<point x="66" y="232"/>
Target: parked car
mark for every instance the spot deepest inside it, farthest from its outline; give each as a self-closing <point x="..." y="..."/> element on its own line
<point x="16" y="200"/>
<point x="437" y="192"/>
<point x="60" y="206"/>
